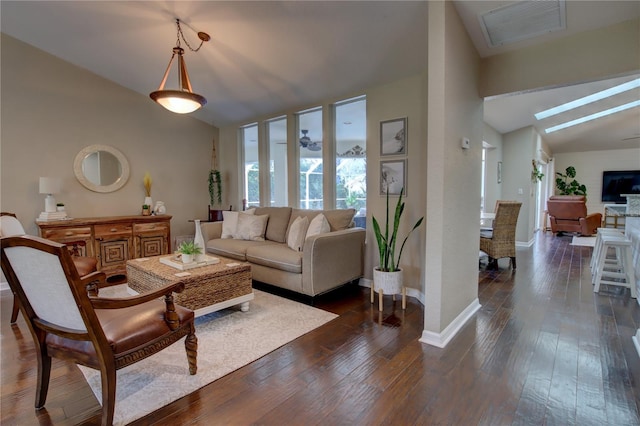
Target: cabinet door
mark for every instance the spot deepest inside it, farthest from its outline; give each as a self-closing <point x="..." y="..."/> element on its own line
<point x="77" y="239"/>
<point x="151" y="239"/>
<point x="114" y="247"/>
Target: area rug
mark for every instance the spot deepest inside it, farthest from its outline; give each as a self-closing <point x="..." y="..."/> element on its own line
<point x="583" y="241"/>
<point x="227" y="340"/>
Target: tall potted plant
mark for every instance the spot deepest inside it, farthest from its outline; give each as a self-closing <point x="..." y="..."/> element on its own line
<point x="388" y="275"/>
<point x="572" y="187"/>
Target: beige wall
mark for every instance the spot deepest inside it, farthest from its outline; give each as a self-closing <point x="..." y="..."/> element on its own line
<point x="590" y="165"/>
<point x="519" y="148"/>
<point x="587" y="56"/>
<point x="454" y="111"/>
<point x="52" y="109"/>
<point x="402" y="98"/>
<point x="493" y="189"/>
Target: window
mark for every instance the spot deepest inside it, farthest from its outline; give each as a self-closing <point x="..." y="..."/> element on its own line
<point x="310" y="157"/>
<point x="249" y="139"/>
<point x="277" y="137"/>
<point x="351" y="158"/>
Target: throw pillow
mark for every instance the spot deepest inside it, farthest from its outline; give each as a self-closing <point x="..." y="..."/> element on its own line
<point x="230" y="222"/>
<point x="319" y="225"/>
<point x="297" y="233"/>
<point x="251" y="227"/>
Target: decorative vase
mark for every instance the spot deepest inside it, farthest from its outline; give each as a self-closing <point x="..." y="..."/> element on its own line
<point x="198" y="240"/>
<point x="389" y="282"/>
<point x="148" y="201"/>
<point x="187" y="258"/>
<point x="160" y="208"/>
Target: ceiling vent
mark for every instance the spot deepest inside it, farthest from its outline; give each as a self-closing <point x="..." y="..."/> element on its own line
<point x="522" y="20"/>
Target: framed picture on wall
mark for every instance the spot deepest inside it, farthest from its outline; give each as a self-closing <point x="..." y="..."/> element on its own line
<point x="393" y="177"/>
<point x="499" y="171"/>
<point x="393" y="137"/>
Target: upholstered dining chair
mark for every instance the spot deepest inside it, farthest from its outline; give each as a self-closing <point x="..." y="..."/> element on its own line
<point x="500" y="241"/>
<point x="10" y="226"/>
<point x="100" y="333"/>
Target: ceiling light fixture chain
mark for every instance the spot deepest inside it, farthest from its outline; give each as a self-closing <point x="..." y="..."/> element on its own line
<point x="201" y="35"/>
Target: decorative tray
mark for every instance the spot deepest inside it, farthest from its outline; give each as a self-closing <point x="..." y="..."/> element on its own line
<point x="175" y="262"/>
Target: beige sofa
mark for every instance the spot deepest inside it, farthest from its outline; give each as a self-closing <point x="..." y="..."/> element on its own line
<point x="326" y="260"/>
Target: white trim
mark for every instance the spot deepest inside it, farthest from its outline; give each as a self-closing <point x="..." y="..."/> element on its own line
<point x="442" y="339"/>
<point x="636" y="341"/>
<point x="4" y="286"/>
<point x="525" y="244"/>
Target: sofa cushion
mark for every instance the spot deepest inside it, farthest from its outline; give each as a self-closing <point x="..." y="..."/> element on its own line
<point x="277" y="256"/>
<point x="297" y="233"/>
<point x="251" y="227"/>
<point x="230" y="222"/>
<point x="318" y="225"/>
<point x="338" y="219"/>
<point x="278" y="222"/>
<point x="233" y="249"/>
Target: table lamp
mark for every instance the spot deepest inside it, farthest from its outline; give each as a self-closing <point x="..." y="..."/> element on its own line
<point x="50" y="186"/>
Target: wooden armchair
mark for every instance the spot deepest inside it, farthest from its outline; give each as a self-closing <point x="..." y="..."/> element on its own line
<point x="10" y="226"/>
<point x="500" y="241"/>
<point x="101" y="333"/>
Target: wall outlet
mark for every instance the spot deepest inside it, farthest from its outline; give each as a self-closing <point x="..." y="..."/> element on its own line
<point x="520" y="191"/>
<point x="466" y="144"/>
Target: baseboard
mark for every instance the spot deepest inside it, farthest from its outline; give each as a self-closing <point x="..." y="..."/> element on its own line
<point x="411" y="292"/>
<point x="442" y="339"/>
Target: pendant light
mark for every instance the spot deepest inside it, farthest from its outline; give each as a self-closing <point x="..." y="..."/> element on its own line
<point x="181" y="100"/>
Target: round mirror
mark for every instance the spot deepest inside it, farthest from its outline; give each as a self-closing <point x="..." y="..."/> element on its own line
<point x="101" y="168"/>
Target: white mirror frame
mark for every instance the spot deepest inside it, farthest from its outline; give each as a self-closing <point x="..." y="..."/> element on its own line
<point x="77" y="168"/>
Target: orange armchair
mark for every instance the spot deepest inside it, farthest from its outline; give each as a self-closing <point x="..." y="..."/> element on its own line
<point x="568" y="213"/>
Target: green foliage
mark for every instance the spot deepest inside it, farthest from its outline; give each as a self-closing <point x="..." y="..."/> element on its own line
<point x="215" y="187"/>
<point x="572" y="187"/>
<point x="189" y="247"/>
<point x="386" y="242"/>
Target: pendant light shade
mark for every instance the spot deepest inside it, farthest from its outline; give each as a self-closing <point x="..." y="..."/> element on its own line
<point x="181" y="100"/>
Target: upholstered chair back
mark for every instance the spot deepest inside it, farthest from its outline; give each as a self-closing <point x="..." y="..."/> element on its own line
<point x="45" y="285"/>
<point x="10" y="226"/>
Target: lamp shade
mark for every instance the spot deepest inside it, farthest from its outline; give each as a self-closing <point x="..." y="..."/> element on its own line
<point x="50" y="185"/>
<point x="177" y="101"/>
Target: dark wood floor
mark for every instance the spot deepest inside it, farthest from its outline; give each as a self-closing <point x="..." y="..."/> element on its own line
<point x="543" y="349"/>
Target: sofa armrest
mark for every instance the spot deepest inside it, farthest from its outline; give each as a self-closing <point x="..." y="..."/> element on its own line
<point x="332" y="259"/>
<point x="589" y="225"/>
<point x="211" y="230"/>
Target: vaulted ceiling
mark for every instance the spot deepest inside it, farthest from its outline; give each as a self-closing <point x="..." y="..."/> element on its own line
<point x="266" y="57"/>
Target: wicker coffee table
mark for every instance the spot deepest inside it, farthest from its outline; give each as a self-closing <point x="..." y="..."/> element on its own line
<point x="207" y="288"/>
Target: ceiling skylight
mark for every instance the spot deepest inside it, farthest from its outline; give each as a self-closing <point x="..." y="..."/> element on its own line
<point x="633" y="84"/>
<point x="592" y="116"/>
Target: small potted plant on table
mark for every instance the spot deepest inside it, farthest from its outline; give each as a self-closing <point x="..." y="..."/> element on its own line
<point x="188" y="249"/>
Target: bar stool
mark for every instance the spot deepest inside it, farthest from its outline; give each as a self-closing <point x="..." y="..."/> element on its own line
<point x="598" y="246"/>
<point x="624" y="265"/>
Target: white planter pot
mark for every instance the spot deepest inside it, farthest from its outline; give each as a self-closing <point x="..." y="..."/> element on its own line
<point x="388" y="282"/>
<point x="187" y="258"/>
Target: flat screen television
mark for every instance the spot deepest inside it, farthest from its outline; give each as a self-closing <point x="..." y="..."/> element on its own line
<point x="615" y="183"/>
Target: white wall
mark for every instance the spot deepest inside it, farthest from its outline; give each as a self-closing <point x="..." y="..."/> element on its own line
<point x="52" y="109"/>
<point x="590" y="165"/>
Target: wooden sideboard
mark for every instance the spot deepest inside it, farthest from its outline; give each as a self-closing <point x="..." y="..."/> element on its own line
<point x="112" y="240"/>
